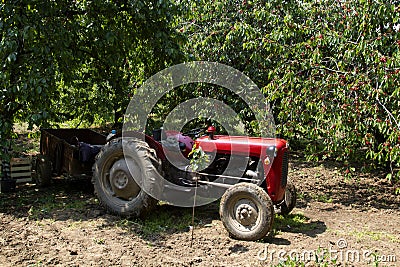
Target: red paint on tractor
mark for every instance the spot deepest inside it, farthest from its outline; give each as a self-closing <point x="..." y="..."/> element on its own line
<point x="254" y="147"/>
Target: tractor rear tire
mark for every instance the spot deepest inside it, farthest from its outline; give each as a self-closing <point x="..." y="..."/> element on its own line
<point x="43" y="171"/>
<point x="114" y="183"/>
<point x="246" y="212"/>
<point x="290" y="199"/>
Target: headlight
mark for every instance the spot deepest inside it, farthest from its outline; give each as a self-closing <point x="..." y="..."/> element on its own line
<point x="272" y="151"/>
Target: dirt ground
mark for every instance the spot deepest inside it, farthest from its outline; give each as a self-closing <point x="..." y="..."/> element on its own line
<point x="337" y="222"/>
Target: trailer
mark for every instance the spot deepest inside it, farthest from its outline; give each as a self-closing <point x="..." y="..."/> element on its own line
<point x="68" y="153"/>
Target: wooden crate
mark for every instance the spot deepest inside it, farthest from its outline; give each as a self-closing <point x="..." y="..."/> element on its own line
<point x="21" y="169"/>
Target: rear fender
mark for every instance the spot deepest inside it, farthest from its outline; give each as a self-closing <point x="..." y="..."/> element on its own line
<point x="148" y="139"/>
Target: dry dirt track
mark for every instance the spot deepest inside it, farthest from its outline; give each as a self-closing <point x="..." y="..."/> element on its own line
<point x="356" y="222"/>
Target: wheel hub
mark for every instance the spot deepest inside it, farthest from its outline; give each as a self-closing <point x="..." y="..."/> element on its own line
<point x="246" y="214"/>
<point x="120" y="180"/>
<point x="122" y="183"/>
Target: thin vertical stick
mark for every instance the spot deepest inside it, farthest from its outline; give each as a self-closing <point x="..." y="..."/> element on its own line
<point x="194" y="205"/>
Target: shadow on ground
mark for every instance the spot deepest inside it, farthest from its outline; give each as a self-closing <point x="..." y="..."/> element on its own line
<point x="74" y="200"/>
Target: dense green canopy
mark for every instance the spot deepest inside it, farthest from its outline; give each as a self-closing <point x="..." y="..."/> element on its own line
<point x="69" y="59"/>
<point x="330" y="69"/>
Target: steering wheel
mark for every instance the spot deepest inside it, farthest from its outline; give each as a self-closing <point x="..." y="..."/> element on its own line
<point x="195" y="132"/>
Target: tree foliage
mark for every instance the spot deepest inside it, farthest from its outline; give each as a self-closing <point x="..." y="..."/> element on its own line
<point x="329" y="68"/>
<point x="79" y="59"/>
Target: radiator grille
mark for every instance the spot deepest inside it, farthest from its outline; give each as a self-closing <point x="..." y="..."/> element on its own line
<point x="285" y="167"/>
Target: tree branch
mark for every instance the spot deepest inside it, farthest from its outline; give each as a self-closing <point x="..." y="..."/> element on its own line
<point x="384" y="107"/>
<point x="331" y="70"/>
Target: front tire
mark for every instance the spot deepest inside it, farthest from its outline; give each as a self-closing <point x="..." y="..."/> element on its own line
<point x="290" y="199"/>
<point x="246" y="212"/>
<point x="114" y="182"/>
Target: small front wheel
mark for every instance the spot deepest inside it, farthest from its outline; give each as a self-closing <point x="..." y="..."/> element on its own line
<point x="290" y="199"/>
<point x="246" y="211"/>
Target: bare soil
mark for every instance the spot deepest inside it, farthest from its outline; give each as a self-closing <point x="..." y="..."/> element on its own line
<point x="337" y="221"/>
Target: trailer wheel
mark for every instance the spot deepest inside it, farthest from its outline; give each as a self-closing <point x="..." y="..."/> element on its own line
<point x="290" y="199"/>
<point x="43" y="171"/>
<point x="113" y="181"/>
<point x="246" y="212"/>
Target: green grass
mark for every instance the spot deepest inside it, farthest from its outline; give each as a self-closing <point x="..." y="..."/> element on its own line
<point x="301" y="195"/>
<point x="290" y="263"/>
<point x="37" y="203"/>
<point x="373" y="235"/>
<point x="163" y="220"/>
<point x="49" y="203"/>
<point x="99" y="241"/>
<point x="295" y="222"/>
<point x="322" y="198"/>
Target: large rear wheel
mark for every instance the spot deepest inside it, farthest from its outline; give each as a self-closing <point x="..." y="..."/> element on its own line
<point x="246" y="211"/>
<point x="119" y="177"/>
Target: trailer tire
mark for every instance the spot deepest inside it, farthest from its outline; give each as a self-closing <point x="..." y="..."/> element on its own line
<point x="114" y="185"/>
<point x="246" y="212"/>
<point x="43" y="171"/>
<point x="290" y="199"/>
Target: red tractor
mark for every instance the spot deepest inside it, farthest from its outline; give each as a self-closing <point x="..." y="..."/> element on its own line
<point x="250" y="172"/>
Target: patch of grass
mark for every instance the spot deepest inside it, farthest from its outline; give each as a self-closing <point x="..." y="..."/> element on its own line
<point x="127" y="224"/>
<point x="48" y="203"/>
<point x="26" y="141"/>
<point x="301" y="196"/>
<point x="397" y="191"/>
<point x="368" y="234"/>
<point x="322" y="198"/>
<point x="75" y="225"/>
<point x="99" y="241"/>
<point x="295" y="222"/>
<point x="37" y="264"/>
<point x="164" y="222"/>
<point x="290" y="263"/>
<point x="165" y="219"/>
<point x="28" y="145"/>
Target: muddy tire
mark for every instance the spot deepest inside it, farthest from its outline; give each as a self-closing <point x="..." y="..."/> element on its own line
<point x="290" y="199"/>
<point x="114" y="185"/>
<point x="246" y="212"/>
<point x="43" y="171"/>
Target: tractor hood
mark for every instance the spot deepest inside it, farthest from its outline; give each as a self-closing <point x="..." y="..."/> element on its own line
<point x="240" y="145"/>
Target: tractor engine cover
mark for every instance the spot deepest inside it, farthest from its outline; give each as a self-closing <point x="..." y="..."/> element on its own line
<point x="271" y="152"/>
